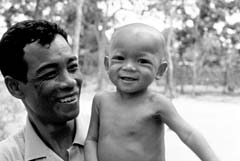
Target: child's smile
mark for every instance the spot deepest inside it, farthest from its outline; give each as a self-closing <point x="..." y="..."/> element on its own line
<point x="128" y="79"/>
<point x="132" y="71"/>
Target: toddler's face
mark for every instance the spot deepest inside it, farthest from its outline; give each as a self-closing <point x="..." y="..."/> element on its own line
<point x="134" y="62"/>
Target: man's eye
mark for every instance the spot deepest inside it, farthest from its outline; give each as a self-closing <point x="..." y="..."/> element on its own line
<point x="73" y="68"/>
<point x="118" y="58"/>
<point x="49" y="75"/>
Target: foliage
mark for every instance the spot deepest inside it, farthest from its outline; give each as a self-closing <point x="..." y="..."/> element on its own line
<point x="10" y="109"/>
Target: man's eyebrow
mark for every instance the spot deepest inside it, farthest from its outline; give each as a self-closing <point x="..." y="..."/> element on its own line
<point x="44" y="67"/>
<point x="53" y="65"/>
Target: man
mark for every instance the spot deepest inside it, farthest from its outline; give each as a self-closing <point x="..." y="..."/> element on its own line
<point x="40" y="68"/>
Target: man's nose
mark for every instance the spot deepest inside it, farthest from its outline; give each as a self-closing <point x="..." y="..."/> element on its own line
<point x="67" y="80"/>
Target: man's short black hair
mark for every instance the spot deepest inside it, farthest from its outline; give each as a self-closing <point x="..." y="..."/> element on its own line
<point x="17" y="37"/>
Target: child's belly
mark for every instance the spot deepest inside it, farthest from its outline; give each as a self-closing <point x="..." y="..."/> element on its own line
<point x="130" y="149"/>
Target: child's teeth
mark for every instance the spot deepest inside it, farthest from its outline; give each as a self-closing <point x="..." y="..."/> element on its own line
<point x="128" y="79"/>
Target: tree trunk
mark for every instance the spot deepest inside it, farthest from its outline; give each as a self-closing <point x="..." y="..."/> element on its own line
<point x="194" y="69"/>
<point x="169" y="79"/>
<point x="182" y="76"/>
<point x="226" y="70"/>
<point x="195" y="66"/>
<point x="101" y="40"/>
<point x="170" y="76"/>
<point x="77" y="26"/>
<point x="37" y="12"/>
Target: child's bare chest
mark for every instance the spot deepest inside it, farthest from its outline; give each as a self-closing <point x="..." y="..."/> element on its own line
<point x="129" y="133"/>
<point x="129" y="121"/>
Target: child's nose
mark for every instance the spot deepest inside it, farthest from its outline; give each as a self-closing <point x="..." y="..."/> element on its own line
<point x="129" y="66"/>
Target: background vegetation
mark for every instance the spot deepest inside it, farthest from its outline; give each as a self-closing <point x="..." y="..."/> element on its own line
<point x="203" y="41"/>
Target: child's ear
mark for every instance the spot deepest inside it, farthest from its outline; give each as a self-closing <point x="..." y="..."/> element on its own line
<point x="106" y="62"/>
<point x="13" y="87"/>
<point x="161" y="69"/>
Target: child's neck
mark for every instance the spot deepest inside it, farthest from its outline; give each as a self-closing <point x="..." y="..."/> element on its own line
<point x="137" y="94"/>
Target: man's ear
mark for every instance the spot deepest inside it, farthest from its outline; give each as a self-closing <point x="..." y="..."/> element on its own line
<point x="106" y="62"/>
<point x="161" y="69"/>
<point x="13" y="87"/>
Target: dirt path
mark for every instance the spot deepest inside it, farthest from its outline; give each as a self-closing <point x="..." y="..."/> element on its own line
<point x="216" y="119"/>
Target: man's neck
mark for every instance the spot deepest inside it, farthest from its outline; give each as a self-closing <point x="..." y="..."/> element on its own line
<point x="58" y="137"/>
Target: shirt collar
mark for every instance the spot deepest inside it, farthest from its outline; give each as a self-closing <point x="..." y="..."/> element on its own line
<point x="81" y="131"/>
<point x="36" y="148"/>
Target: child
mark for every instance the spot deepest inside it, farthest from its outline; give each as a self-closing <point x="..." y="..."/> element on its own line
<point x="128" y="124"/>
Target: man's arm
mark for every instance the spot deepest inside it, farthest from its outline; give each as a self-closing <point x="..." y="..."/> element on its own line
<point x="90" y="147"/>
<point x="190" y="136"/>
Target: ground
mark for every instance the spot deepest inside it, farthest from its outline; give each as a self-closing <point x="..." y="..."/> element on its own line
<point x="216" y="117"/>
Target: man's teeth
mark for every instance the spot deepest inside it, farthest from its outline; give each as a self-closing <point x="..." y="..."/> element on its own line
<point x="68" y="99"/>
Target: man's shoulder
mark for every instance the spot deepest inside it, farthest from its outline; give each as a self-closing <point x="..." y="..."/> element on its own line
<point x="12" y="147"/>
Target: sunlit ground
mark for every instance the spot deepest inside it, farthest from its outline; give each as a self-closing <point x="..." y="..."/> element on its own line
<point x="216" y="117"/>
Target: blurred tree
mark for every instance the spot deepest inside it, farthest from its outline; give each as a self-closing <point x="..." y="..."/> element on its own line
<point x="97" y="19"/>
<point x="16" y="10"/>
<point x="171" y="9"/>
<point x="67" y="13"/>
<point x="203" y="36"/>
<point x="10" y="108"/>
<point x="95" y="24"/>
<point x="77" y="25"/>
<point x="230" y="45"/>
<point x="198" y="38"/>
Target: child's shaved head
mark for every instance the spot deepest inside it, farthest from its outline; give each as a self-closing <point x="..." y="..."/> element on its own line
<point x="138" y="34"/>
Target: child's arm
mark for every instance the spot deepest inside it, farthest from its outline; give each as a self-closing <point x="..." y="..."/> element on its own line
<point x="191" y="137"/>
<point x="90" y="147"/>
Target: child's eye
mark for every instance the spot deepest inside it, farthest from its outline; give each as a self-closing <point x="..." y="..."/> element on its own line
<point x="144" y="61"/>
<point x="118" y="58"/>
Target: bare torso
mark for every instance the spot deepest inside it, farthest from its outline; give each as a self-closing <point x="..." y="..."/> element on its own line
<point x="130" y="130"/>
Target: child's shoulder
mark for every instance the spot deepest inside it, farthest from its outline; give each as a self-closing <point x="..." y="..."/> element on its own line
<point x="100" y="99"/>
<point x="156" y="96"/>
<point x="103" y="95"/>
<point x="159" y="99"/>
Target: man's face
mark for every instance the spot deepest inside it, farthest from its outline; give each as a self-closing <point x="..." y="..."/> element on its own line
<point x="52" y="91"/>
